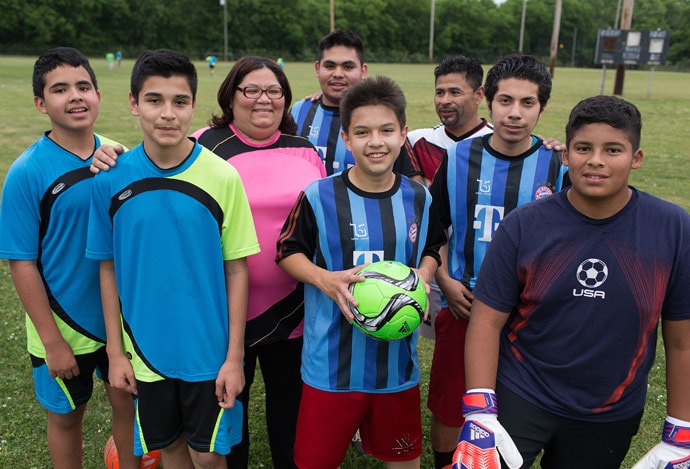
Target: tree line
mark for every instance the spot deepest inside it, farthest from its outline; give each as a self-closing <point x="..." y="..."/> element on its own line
<point x="392" y="30"/>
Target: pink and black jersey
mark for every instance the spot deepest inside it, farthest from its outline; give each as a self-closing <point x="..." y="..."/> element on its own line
<point x="273" y="175"/>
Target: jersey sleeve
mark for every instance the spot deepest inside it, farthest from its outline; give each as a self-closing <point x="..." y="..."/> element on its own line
<point x="403" y="165"/>
<point x="238" y="236"/>
<point x="19" y="216"/>
<point x="299" y="232"/>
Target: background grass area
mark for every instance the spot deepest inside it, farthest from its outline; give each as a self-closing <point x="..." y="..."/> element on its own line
<point x="665" y="173"/>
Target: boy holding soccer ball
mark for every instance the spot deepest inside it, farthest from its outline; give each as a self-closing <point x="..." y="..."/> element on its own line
<point x="366" y="213"/>
<point x="563" y="325"/>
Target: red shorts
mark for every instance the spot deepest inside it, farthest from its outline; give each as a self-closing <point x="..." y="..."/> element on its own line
<point x="390" y="425"/>
<point x="447" y="377"/>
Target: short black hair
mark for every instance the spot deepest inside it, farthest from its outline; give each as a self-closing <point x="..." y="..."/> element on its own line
<point x="472" y="68"/>
<point x="522" y="67"/>
<point x="52" y="59"/>
<point x="342" y="37"/>
<point x="611" y="110"/>
<point x="370" y="92"/>
<point x="162" y="63"/>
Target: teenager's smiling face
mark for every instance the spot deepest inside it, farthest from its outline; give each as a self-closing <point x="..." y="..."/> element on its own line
<point x="599" y="159"/>
<point x="69" y="98"/>
<point x="338" y="70"/>
<point x="374" y="138"/>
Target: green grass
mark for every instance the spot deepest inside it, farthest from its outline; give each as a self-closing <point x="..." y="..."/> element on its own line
<point x="665" y="173"/>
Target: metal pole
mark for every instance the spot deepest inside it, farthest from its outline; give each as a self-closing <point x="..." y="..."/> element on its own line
<point x="651" y="80"/>
<point x="225" y="30"/>
<point x="522" y="24"/>
<point x="572" y="55"/>
<point x="431" y="31"/>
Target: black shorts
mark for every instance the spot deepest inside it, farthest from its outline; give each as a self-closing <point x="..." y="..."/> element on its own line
<point x="168" y="408"/>
<point x="567" y="443"/>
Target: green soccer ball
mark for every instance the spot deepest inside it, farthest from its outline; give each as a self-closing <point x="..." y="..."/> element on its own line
<point x="391" y="300"/>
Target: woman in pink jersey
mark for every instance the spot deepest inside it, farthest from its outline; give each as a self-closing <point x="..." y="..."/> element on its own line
<point x="254" y="134"/>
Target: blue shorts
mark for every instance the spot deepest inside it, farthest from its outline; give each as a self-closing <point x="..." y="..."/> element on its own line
<point x="168" y="408"/>
<point x="62" y="396"/>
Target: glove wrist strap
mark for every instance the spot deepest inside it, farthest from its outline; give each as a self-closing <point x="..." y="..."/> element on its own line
<point x="477" y="401"/>
<point x="676" y="433"/>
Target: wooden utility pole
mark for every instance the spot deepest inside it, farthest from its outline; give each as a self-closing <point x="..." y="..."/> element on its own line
<point x="626" y="24"/>
<point x="554" y="35"/>
<point x="522" y="25"/>
<point x="332" y="15"/>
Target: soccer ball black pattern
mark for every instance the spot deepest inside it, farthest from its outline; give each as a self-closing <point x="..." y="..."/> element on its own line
<point x="592" y="273"/>
<point x="391" y="300"/>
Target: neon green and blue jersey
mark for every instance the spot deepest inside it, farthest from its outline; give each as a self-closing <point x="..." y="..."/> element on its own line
<point x="169" y="232"/>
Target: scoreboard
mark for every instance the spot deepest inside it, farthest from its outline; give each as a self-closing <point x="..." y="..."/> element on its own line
<point x="619" y="46"/>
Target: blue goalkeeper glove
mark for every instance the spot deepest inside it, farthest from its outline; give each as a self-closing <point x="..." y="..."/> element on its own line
<point x="482" y="437"/>
<point x="674" y="450"/>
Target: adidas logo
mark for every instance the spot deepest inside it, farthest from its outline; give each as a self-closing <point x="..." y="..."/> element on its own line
<point x="404" y="329"/>
<point x="477" y="432"/>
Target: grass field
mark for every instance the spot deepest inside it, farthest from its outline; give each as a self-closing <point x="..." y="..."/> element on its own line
<point x="665" y="173"/>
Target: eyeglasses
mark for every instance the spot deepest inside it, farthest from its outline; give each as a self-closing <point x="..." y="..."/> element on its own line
<point x="254" y="92"/>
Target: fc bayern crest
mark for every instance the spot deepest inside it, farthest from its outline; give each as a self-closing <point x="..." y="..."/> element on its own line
<point x="542" y="191"/>
<point x="412" y="232"/>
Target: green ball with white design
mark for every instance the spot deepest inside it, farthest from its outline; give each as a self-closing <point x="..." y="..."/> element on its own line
<point x="391" y="301"/>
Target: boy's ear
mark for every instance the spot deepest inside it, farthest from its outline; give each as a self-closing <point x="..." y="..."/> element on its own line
<point x="133" y="106"/>
<point x="564" y="157"/>
<point x="40" y="104"/>
<point x="637" y="158"/>
<point x="346" y="139"/>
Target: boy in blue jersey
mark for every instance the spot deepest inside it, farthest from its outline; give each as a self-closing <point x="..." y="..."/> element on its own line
<point x="172" y="228"/>
<point x="364" y="214"/>
<point x="564" y="323"/>
<point x="339" y="66"/>
<point x="479" y="181"/>
<point x="43" y="225"/>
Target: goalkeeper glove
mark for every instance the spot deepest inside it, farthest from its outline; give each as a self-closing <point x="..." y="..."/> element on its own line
<point x="482" y="437"/>
<point x="674" y="450"/>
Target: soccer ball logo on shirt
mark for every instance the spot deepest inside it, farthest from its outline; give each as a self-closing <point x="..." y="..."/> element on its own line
<point x="592" y="273"/>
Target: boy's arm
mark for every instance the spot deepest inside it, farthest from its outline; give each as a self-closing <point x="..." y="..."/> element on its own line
<point x="31" y="291"/>
<point x="458" y="296"/>
<point x="674" y="449"/>
<point x="230" y="380"/>
<point x="677" y="346"/>
<point x="481" y="346"/>
<point x="120" y="374"/>
<point x="334" y="284"/>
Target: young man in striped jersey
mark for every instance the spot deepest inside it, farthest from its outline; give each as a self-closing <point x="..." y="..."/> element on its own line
<point x="340" y="66"/>
<point x="478" y="182"/>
